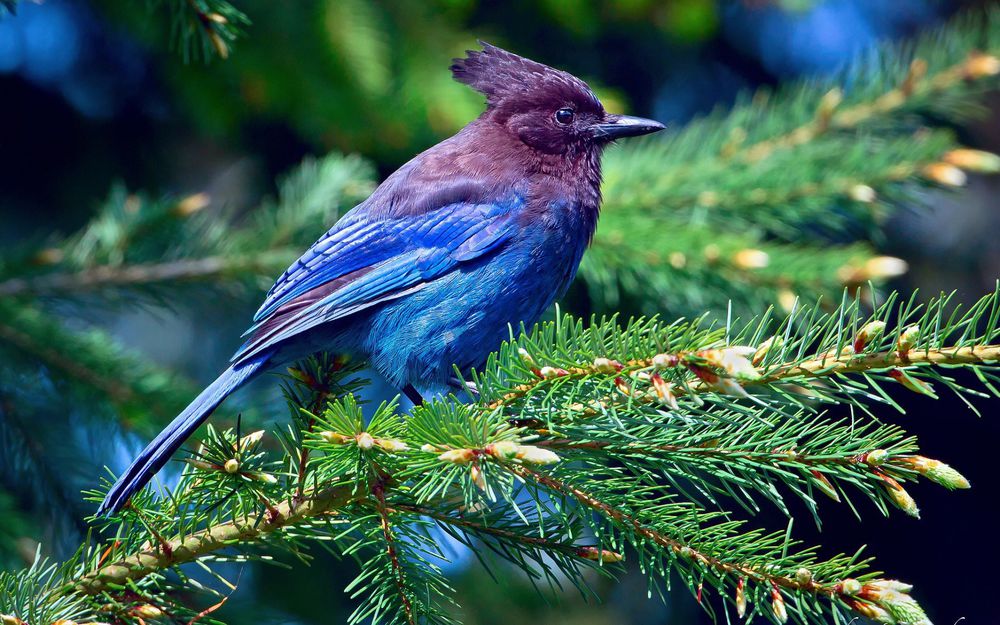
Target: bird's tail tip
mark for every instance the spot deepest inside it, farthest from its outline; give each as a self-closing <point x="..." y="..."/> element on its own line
<point x="158" y="451"/>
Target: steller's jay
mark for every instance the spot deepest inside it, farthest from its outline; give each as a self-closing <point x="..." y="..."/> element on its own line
<point x="481" y="232"/>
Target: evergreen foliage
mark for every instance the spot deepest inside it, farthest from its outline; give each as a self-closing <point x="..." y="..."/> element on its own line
<point x="587" y="442"/>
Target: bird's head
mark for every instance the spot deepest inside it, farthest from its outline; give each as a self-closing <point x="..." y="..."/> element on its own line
<point x="549" y="110"/>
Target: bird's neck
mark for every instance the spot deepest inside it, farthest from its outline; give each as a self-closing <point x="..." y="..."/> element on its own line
<point x="577" y="172"/>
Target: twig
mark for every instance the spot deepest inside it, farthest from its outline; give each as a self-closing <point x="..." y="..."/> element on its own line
<point x="626" y="520"/>
<point x="211" y="539"/>
<point x="816" y="367"/>
<point x="104" y="276"/>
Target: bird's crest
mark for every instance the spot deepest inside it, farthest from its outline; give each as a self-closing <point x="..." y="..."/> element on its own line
<point x="498" y="74"/>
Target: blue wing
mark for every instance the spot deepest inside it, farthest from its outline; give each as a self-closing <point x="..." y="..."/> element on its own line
<point x="361" y="263"/>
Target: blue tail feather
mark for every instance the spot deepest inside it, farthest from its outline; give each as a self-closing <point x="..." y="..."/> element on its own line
<point x="157" y="452"/>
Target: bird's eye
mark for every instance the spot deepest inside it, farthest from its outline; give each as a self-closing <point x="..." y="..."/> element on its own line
<point x="564" y="116"/>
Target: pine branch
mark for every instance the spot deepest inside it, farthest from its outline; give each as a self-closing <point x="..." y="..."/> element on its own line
<point x="213" y="539"/>
<point x="212" y="269"/>
<point x="92" y="361"/>
<point x="805" y="168"/>
<point x="595" y="486"/>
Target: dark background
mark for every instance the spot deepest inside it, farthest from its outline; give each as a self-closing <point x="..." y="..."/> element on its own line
<point x="91" y="96"/>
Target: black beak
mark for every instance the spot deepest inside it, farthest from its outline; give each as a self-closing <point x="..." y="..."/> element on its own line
<point x="618" y="126"/>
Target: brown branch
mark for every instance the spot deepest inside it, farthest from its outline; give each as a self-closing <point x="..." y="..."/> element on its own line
<point x="378" y="490"/>
<point x="850" y="117"/>
<point x="815" y="367"/>
<point x="120" y="393"/>
<point x="630" y="522"/>
<point x="103" y="276"/>
<point x="532" y="541"/>
<point x="760" y="457"/>
<point x="202" y="543"/>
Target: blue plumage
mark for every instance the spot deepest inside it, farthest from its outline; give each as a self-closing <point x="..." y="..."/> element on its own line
<point x="473" y="237"/>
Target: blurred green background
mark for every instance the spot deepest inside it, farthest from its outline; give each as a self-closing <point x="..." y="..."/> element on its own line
<point x="94" y="94"/>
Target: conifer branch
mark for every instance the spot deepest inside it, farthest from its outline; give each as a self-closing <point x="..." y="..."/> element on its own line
<point x="378" y="493"/>
<point x="679" y="548"/>
<point x="208" y="269"/>
<point x="822" y="366"/>
<point x="213" y="539"/>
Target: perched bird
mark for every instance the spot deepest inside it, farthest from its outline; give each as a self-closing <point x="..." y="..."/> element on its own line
<point x="480" y="232"/>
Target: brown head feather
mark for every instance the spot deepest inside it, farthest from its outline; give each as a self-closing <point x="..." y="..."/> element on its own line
<point x="499" y="75"/>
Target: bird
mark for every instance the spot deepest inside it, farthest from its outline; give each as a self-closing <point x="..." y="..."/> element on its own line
<point x="479" y="233"/>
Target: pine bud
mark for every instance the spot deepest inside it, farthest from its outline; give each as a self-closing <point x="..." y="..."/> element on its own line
<point x="869" y="331"/>
<point x="741" y="598"/>
<point x="907" y="339"/>
<point x="778" y="606"/>
<point x="774" y="342"/>
<point x="903" y="608"/>
<point x="147" y="610"/>
<point x="605" y="365"/>
<point x="873" y="612"/>
<point x="552" y="372"/>
<point x="936" y="471"/>
<point x="525" y="357"/>
<point x="729" y="386"/>
<point x="477" y="477"/>
<point x="751" y="259"/>
<point x="334" y="438"/>
<point x="882" y="585"/>
<point x="876" y="457"/>
<point x="912" y="383"/>
<point x="232" y="466"/>
<point x="665" y="361"/>
<point x="664" y="391"/>
<point x="901" y="498"/>
<point x="49" y="256"/>
<point x="191" y="204"/>
<point x="827" y="105"/>
<point x="733" y="360"/>
<point x="259" y="476"/>
<point x="623" y="386"/>
<point x="677" y="260"/>
<point x="974" y="160"/>
<point x="881" y="267"/>
<point x="708" y="199"/>
<point x="536" y="455"/>
<point x="504" y="450"/>
<point x="598" y="555"/>
<point x="391" y="445"/>
<point x="943" y="173"/>
<point x="458" y="456"/>
<point x="219" y="44"/>
<point x="862" y="193"/>
<point x="251" y="439"/>
<point x="787" y="300"/>
<point x="982" y="65"/>
<point x="825" y="485"/>
<point x="803" y="576"/>
<point x="365" y="441"/>
<point x="201" y="464"/>
<point x="850" y="587"/>
<point x="428" y="448"/>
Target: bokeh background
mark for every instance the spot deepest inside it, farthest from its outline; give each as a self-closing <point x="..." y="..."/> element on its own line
<point x="93" y="96"/>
